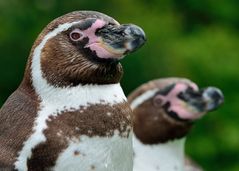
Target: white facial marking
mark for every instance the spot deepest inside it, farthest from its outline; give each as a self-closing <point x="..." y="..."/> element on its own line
<point x="142" y="98"/>
<point x="56" y="99"/>
<point x="165" y="156"/>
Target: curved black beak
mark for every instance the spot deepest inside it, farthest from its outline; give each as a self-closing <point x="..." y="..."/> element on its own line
<point x="126" y="37"/>
<point x="204" y="100"/>
<point x="213" y="98"/>
<point x="134" y="37"/>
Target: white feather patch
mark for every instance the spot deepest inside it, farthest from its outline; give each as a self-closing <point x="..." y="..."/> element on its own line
<point x="97" y="153"/>
<point x="56" y="99"/>
<point x="142" y="98"/>
<point x="164" y="157"/>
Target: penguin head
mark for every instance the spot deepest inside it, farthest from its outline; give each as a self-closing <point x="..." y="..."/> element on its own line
<point x="165" y="109"/>
<point x="185" y="102"/>
<point x="84" y="47"/>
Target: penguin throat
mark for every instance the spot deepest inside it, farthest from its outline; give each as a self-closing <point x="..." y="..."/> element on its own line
<point x="82" y="75"/>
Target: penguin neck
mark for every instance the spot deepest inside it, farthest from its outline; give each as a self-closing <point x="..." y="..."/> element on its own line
<point x="34" y="83"/>
<point x="167" y="156"/>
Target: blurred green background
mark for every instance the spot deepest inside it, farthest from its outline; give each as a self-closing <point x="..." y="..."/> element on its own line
<point x="197" y="39"/>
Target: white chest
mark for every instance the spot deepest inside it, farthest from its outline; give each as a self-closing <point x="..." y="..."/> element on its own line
<point x="97" y="153"/>
<point x="54" y="100"/>
<point x="161" y="157"/>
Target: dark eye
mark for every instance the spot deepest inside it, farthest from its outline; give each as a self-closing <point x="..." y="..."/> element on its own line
<point x="157" y="101"/>
<point x="75" y="35"/>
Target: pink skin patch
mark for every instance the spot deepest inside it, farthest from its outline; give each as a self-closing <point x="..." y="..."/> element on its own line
<point x="103" y="52"/>
<point x="96" y="44"/>
<point x="181" y="108"/>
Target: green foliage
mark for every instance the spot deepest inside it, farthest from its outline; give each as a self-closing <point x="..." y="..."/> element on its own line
<point x="187" y="38"/>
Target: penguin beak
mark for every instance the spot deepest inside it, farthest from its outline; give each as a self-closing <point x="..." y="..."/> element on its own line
<point x="120" y="40"/>
<point x="213" y="98"/>
<point x="204" y="100"/>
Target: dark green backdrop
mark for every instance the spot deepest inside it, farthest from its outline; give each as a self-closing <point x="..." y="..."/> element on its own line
<point x="197" y="39"/>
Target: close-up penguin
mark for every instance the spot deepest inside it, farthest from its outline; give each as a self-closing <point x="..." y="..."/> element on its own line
<point x="69" y="112"/>
<point x="164" y="111"/>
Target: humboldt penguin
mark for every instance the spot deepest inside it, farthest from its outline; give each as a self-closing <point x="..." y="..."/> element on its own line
<point x="164" y="111"/>
<point x="69" y="112"/>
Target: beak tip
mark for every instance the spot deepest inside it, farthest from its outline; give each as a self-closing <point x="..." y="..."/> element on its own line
<point x="126" y="38"/>
<point x="138" y="37"/>
<point x="137" y="43"/>
<point x="215" y="96"/>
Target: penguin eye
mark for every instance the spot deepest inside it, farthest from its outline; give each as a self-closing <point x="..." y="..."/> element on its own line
<point x="75" y="35"/>
<point x="157" y="101"/>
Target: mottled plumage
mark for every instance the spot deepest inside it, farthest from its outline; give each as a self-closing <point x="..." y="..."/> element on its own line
<point x="70" y="112"/>
<point x="164" y="111"/>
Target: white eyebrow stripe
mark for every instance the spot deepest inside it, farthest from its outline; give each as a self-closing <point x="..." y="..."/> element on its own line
<point x="143" y="97"/>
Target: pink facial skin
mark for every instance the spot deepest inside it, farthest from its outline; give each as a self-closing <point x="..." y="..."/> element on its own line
<point x="177" y="105"/>
<point x="103" y="52"/>
<point x="96" y="44"/>
<point x="90" y="32"/>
